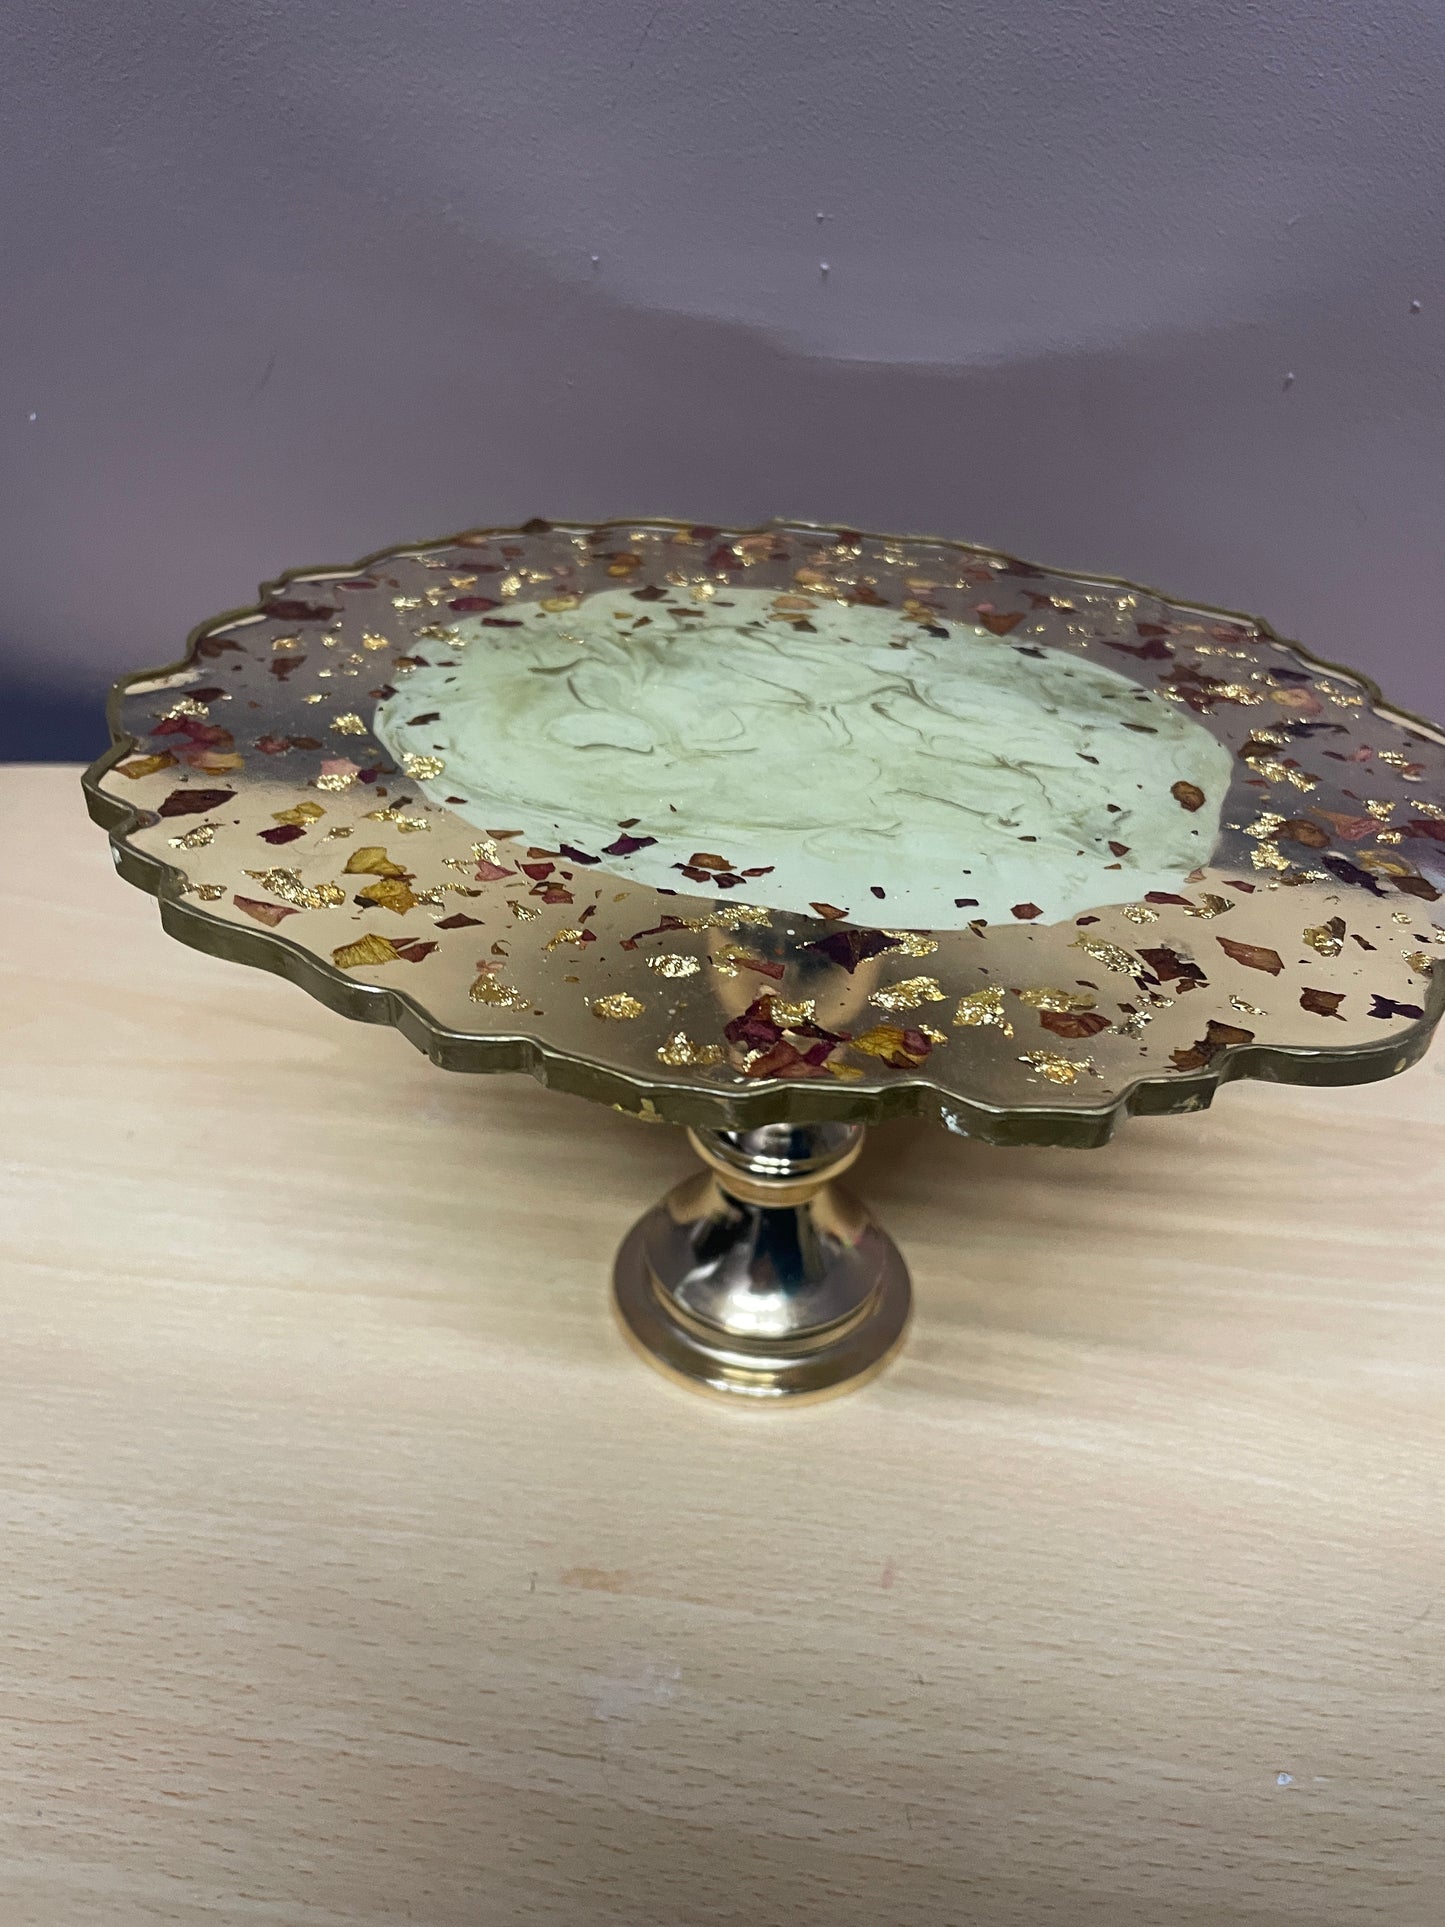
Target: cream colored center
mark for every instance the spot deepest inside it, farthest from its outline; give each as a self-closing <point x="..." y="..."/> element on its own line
<point x="904" y="778"/>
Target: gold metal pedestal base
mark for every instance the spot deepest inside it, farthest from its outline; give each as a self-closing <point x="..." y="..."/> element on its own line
<point x="760" y="1277"/>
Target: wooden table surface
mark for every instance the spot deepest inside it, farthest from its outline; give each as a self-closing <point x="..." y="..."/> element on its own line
<point x="355" y="1572"/>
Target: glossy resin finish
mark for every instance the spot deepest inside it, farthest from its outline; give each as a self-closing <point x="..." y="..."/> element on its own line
<point x="798" y="823"/>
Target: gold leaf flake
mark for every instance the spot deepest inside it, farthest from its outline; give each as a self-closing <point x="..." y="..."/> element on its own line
<point x="908" y="994"/>
<point x="422" y="767"/>
<point x="461" y="581"/>
<point x="187" y="706"/>
<point x="1057" y="1068"/>
<point x="913" y="943"/>
<point x="146" y="765"/>
<point x="486" y="990"/>
<point x="390" y="893"/>
<point x="371" y="640"/>
<point x="209" y="892"/>
<point x="669" y="963"/>
<point x="1265" y="824"/>
<point x="1420" y="961"/>
<point x="407" y="825"/>
<point x="512" y="584"/>
<point x="620" y="1005"/>
<point x="559" y="937"/>
<point x="934" y="1036"/>
<point x="733" y="957"/>
<point x="680" y="1052"/>
<point x="1268" y="856"/>
<point x="282" y="643"/>
<point x="1390" y="836"/>
<point x="1140" y="913"/>
<point x="287" y="885"/>
<point x="1275" y="772"/>
<point x="555" y="605"/>
<point x="301" y="813"/>
<point x="1210" y="906"/>
<point x="195" y="839"/>
<point x="366" y="950"/>
<point x="341" y="829"/>
<point x="1133" y="1024"/>
<point x="1432" y="810"/>
<point x="348" y="724"/>
<point x="320" y="698"/>
<point x="1250" y="1010"/>
<point x="1327" y="938"/>
<point x="336" y="779"/>
<point x="983" y="1007"/>
<point x="790" y="1014"/>
<point x="731" y="917"/>
<point x="1401" y="916"/>
<point x="1058" y="1000"/>
<point x="1111" y="955"/>
<point x="406" y="602"/>
<point x="523" y="912"/>
<point x="1380" y="809"/>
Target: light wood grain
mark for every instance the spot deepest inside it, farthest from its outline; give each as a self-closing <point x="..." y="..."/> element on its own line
<point x="354" y="1571"/>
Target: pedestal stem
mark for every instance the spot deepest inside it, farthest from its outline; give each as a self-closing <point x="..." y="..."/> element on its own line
<point x="760" y="1276"/>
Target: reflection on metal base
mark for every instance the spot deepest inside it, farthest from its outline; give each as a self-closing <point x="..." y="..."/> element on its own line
<point x="760" y="1276"/>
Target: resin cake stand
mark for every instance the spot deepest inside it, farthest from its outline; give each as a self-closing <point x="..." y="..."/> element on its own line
<point x="777" y="833"/>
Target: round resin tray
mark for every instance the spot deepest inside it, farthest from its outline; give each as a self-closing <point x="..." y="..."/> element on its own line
<point x="796" y="824"/>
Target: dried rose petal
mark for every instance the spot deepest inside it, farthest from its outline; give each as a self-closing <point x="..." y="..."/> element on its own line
<point x="849" y="948"/>
<point x="1387" y="1007"/>
<point x="1254" y="956"/>
<point x="1169" y="967"/>
<point x="194" y="802"/>
<point x="269" y="913"/>
<point x="1323" y="1003"/>
<point x="1073" y="1023"/>
<point x="291" y="609"/>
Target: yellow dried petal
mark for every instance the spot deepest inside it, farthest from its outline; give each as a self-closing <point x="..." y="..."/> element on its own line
<point x="390" y="893"/>
<point x="146" y="765"/>
<point x="372" y="861"/>
<point x="366" y="950"/>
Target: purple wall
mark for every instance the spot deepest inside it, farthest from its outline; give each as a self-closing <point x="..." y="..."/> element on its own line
<point x="1121" y="285"/>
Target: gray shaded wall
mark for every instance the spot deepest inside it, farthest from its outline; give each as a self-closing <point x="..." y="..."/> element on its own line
<point x="1119" y="285"/>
